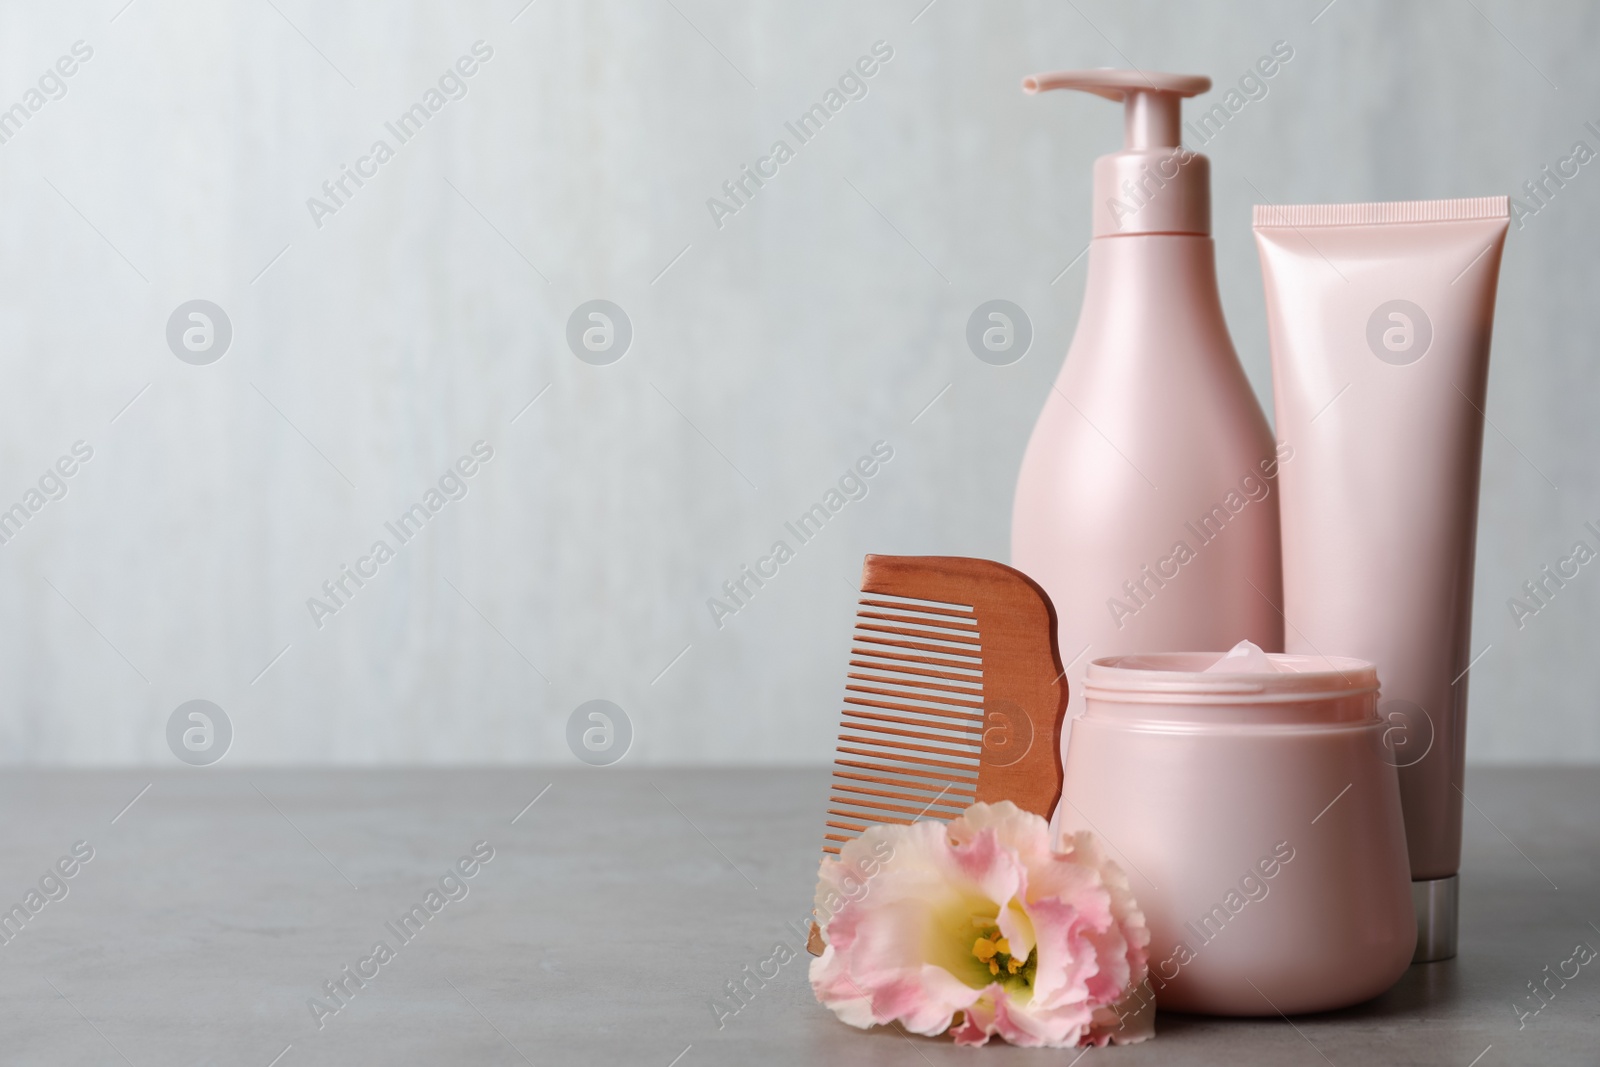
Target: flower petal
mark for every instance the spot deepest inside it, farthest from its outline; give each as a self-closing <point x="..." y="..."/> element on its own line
<point x="903" y="907"/>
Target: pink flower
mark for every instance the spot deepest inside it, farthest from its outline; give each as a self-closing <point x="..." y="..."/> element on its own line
<point x="980" y="924"/>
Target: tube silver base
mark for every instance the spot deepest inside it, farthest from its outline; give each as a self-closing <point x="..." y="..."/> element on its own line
<point x="1436" y="902"/>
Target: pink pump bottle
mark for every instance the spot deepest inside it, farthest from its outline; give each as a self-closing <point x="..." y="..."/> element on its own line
<point x="1147" y="502"/>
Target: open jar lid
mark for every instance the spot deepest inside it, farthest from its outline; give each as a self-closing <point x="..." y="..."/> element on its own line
<point x="1297" y="690"/>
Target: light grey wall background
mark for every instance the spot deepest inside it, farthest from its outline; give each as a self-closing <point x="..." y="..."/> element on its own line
<point x="768" y="353"/>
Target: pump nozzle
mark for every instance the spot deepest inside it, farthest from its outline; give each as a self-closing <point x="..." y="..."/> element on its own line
<point x="1151" y="115"/>
<point x="1132" y="187"/>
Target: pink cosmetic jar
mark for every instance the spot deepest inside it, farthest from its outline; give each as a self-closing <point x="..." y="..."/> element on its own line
<point x="1257" y="816"/>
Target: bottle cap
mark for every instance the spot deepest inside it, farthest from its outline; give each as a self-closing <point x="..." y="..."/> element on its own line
<point x="1154" y="185"/>
<point x="1437" y="902"/>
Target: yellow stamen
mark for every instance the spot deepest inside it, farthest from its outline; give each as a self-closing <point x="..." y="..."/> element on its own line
<point x="984" y="949"/>
<point x="1002" y="945"/>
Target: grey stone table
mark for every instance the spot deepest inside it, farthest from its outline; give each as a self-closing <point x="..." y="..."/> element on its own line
<point x="616" y="906"/>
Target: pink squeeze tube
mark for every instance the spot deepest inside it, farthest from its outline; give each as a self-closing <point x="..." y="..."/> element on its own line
<point x="1379" y="317"/>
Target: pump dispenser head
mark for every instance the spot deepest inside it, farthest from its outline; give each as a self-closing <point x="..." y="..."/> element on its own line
<point x="1154" y="185"/>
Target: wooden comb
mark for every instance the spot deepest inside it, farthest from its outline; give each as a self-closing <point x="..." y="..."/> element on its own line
<point x="955" y="695"/>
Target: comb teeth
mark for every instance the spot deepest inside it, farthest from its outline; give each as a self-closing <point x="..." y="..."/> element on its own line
<point x="912" y="729"/>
